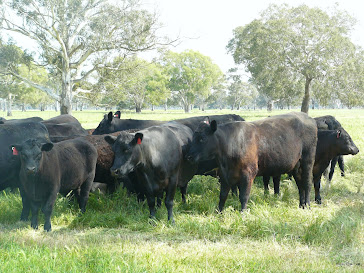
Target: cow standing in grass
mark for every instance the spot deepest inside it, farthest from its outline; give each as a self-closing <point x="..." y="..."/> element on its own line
<point x="267" y="147"/>
<point x="156" y="155"/>
<point x="17" y="131"/>
<point x="48" y="169"/>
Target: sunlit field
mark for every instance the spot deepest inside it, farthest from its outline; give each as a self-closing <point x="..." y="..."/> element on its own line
<point x="272" y="235"/>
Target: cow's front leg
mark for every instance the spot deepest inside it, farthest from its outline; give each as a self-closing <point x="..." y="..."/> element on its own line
<point x="48" y="209"/>
<point x="35" y="210"/>
<point x="224" y="191"/>
<point x="245" y="185"/>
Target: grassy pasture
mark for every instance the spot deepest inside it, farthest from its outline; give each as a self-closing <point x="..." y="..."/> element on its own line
<point x="272" y="235"/>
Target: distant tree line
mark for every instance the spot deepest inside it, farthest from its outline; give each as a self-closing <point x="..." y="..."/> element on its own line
<point x="88" y="55"/>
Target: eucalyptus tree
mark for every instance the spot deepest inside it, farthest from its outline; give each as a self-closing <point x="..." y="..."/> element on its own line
<point x="288" y="48"/>
<point x="76" y="37"/>
<point x="191" y="74"/>
<point x="136" y="81"/>
<point x="240" y="91"/>
<point x="11" y="57"/>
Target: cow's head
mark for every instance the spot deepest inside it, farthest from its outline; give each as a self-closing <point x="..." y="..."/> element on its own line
<point x="128" y="153"/>
<point x="31" y="154"/>
<point x="204" y="142"/>
<point x="106" y="126"/>
<point x="345" y="144"/>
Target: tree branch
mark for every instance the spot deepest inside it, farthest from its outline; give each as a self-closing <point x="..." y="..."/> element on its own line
<point x="38" y="86"/>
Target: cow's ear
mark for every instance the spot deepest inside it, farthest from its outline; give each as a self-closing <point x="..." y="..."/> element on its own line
<point x="213" y="126"/>
<point x="110" y="116"/>
<point x="15" y="148"/>
<point x="138" y="138"/>
<point x="117" y="114"/>
<point x="46" y="147"/>
<point x="110" y="139"/>
<point x="206" y="120"/>
<point x="338" y="133"/>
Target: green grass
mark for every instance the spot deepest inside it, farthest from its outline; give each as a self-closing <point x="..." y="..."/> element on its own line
<point x="272" y="235"/>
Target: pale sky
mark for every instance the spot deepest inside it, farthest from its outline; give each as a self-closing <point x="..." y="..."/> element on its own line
<point x="208" y="24"/>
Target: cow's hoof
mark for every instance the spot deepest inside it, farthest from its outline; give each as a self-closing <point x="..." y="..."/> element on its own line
<point x="152" y="221"/>
<point x="318" y="201"/>
<point x="34" y="226"/>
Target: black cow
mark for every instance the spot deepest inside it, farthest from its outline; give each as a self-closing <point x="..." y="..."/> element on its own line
<point x="48" y="169"/>
<point x="10" y="161"/>
<point x="330" y="144"/>
<point x="330" y="123"/>
<point x="111" y="124"/>
<point x="156" y="156"/>
<point x="265" y="147"/>
<point x="193" y="122"/>
<point x="64" y="127"/>
<point x="12" y="121"/>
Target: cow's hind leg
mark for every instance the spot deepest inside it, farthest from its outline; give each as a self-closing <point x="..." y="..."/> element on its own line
<point x="85" y="191"/>
<point x="276" y="183"/>
<point x="171" y="191"/>
<point x="317" y="186"/>
<point x="224" y="191"/>
<point x="183" y="193"/>
<point x="266" y="179"/>
<point x="307" y="161"/>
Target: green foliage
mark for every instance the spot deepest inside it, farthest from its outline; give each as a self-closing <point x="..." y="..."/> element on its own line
<point x="272" y="235"/>
<point x="240" y="92"/>
<point x="287" y="49"/>
<point x="136" y="81"/>
<point x="191" y="75"/>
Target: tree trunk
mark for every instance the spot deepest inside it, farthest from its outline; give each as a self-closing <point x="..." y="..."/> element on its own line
<point x="186" y="107"/>
<point x="306" y="99"/>
<point x="23" y="107"/>
<point x="165" y="105"/>
<point x="42" y="107"/>
<point x="138" y="109"/>
<point x="313" y="104"/>
<point x="270" y="105"/>
<point x="56" y="106"/>
<point x="66" y="93"/>
<point x="9" y="104"/>
<point x="152" y="107"/>
<point x="81" y="106"/>
<point x="203" y="107"/>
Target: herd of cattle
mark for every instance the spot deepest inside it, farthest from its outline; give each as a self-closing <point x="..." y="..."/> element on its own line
<point x="150" y="158"/>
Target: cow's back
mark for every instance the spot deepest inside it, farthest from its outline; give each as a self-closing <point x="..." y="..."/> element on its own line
<point x="16" y="133"/>
<point x="71" y="161"/>
<point x="273" y="145"/>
